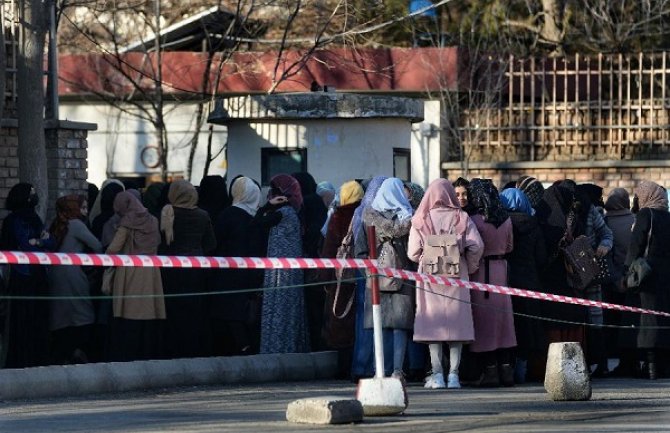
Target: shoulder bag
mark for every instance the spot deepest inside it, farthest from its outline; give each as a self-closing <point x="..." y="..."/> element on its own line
<point x="640" y="269"/>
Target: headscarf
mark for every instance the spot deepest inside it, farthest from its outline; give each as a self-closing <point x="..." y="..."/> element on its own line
<point x="105" y="202"/>
<point x="136" y="217"/>
<point x="651" y="195"/>
<point x="21" y="201"/>
<point x="593" y="192"/>
<point x="484" y="197"/>
<point x="152" y="198"/>
<point x="213" y="195"/>
<point x="370" y="192"/>
<point x="182" y="194"/>
<point x="325" y="187"/>
<point x="416" y="193"/>
<point x="532" y="188"/>
<point x="288" y="186"/>
<point x="306" y="181"/>
<point x="246" y="195"/>
<point x="391" y="198"/>
<point x="514" y="200"/>
<point x="97" y="205"/>
<point x="617" y="200"/>
<point x="553" y="211"/>
<point x="440" y="194"/>
<point x="351" y="192"/>
<point x="67" y="208"/>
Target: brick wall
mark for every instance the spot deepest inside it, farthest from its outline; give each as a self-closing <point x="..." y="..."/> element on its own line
<point x="623" y="176"/>
<point x="66" y="161"/>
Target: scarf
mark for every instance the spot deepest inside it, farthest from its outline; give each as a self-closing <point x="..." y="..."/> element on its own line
<point x="651" y="195"/>
<point x="350" y="192"/>
<point x="370" y="192"/>
<point x="618" y="199"/>
<point x="532" y="188"/>
<point x="514" y="200"/>
<point x="67" y="208"/>
<point x="213" y="195"/>
<point x="484" y="197"/>
<point x="391" y="199"/>
<point x="416" y="193"/>
<point x="182" y="194"/>
<point x="440" y="194"/>
<point x="136" y="217"/>
<point x="287" y="186"/>
<point x="97" y="205"/>
<point x="246" y="195"/>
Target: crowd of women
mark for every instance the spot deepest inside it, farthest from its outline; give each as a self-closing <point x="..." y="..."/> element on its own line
<point x="512" y="237"/>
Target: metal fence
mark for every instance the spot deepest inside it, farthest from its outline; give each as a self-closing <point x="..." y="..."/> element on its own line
<point x="607" y="106"/>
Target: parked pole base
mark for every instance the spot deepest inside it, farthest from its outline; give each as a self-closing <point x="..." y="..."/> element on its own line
<point x="382" y="396"/>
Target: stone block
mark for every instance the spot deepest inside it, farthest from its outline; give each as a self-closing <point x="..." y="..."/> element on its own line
<point x="325" y="410"/>
<point x="567" y="375"/>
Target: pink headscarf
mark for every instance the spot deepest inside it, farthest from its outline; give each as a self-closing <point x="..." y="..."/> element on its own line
<point x="286" y="185"/>
<point x="440" y="194"/>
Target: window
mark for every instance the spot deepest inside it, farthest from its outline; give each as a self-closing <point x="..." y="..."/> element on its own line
<point x="275" y="161"/>
<point x="402" y="168"/>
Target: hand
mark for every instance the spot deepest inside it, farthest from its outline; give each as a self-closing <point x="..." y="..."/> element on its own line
<point x="45" y="235"/>
<point x="280" y="199"/>
<point x="602" y="251"/>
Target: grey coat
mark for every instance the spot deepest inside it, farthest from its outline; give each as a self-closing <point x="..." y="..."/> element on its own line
<point x="397" y="307"/>
<point x="70" y="281"/>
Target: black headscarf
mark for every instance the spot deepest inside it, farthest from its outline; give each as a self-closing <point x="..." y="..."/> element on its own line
<point x="532" y="188"/>
<point x="558" y="202"/>
<point x="314" y="213"/>
<point x="107" y="196"/>
<point x="21" y="202"/>
<point x="484" y="197"/>
<point x="592" y="192"/>
<point x="213" y="195"/>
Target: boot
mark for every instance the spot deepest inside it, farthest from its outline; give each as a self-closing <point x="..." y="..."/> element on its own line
<point x="520" y="370"/>
<point x="651" y="365"/>
<point x="489" y="377"/>
<point x="506" y="373"/>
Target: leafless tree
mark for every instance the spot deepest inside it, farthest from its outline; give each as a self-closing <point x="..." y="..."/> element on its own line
<point x="32" y="148"/>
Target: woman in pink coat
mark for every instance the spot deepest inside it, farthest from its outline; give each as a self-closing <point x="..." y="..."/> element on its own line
<point x="443" y="313"/>
<point x="492" y="312"/>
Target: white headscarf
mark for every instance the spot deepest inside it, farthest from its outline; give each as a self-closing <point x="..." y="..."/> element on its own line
<point x="246" y="195"/>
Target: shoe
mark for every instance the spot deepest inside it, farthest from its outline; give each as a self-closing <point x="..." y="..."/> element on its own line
<point x="453" y="382"/>
<point x="506" y="375"/>
<point x="398" y="374"/>
<point x="489" y="378"/>
<point x="435" y="381"/>
<point x="520" y="371"/>
<point x="651" y="369"/>
<point x="600" y="372"/>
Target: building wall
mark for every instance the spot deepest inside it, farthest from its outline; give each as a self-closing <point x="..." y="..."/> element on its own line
<point x="425" y="145"/>
<point x="337" y="149"/>
<point x="66" y="163"/>
<point x="115" y="147"/>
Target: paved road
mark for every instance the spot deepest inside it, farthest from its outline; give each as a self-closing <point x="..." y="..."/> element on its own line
<point x="618" y="405"/>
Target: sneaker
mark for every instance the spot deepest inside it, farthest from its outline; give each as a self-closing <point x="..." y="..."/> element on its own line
<point x="398" y="374"/>
<point x="452" y="381"/>
<point x="435" y="381"/>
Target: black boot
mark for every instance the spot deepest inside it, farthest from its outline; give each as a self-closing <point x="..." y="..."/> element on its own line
<point x="489" y="377"/>
<point x="651" y="365"/>
<point x="506" y="373"/>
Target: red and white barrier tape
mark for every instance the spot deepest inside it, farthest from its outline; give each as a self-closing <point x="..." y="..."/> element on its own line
<point x="31" y="258"/>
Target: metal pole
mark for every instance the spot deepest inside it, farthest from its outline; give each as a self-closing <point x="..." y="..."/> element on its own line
<point x="53" y="61"/>
<point x="376" y="308"/>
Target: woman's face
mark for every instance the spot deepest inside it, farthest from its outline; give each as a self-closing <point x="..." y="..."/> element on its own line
<point x="462" y="196"/>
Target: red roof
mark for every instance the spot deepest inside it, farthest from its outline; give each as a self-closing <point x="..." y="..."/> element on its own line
<point x="387" y="69"/>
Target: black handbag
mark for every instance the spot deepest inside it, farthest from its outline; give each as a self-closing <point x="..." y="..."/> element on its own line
<point x="580" y="260"/>
<point x="640" y="269"/>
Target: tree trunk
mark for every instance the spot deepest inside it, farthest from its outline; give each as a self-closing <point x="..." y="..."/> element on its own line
<point x="552" y="30"/>
<point x="3" y="65"/>
<point x="32" y="148"/>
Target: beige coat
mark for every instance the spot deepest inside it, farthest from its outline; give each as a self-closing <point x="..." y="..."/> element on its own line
<point x="443" y="313"/>
<point x="135" y="281"/>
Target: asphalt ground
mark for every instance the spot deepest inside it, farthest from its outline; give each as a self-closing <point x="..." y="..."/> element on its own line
<point x="617" y="405"/>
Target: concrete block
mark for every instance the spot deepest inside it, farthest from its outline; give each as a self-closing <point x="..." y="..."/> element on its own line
<point x="567" y="375"/>
<point x="382" y="396"/>
<point x="324" y="410"/>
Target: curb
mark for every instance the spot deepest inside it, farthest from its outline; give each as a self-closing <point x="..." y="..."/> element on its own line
<point x="86" y="379"/>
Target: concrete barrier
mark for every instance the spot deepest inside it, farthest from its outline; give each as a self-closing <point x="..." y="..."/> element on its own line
<point x="567" y="376"/>
<point x="86" y="379"/>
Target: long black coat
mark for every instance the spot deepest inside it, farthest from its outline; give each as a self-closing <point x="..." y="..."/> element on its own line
<point x="236" y="236"/>
<point x="654" y="293"/>
<point x="525" y="263"/>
